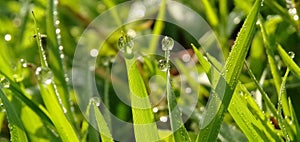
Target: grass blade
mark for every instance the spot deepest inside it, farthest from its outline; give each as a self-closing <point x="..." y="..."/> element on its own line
<point x="233" y="66"/>
<point x="143" y="118"/>
<point x="55" y="52"/>
<point x="270" y="46"/>
<point x="17" y="130"/>
<point x="288" y="61"/>
<point x="102" y="125"/>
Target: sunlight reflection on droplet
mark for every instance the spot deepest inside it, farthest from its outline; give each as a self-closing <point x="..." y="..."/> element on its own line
<point x="155" y="109"/>
<point x="163" y="118"/>
<point x="236" y="20"/>
<point x="7" y="37"/>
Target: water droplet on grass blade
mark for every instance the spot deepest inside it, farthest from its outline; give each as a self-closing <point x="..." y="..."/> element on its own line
<point x="4" y="83"/>
<point x="292" y="54"/>
<point x="96" y="100"/>
<point x="162" y="65"/>
<point x="44" y="75"/>
<point x="125" y="44"/>
<point x="167" y="43"/>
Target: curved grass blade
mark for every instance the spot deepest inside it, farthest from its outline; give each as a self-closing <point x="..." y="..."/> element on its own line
<point x="17" y="130"/>
<point x="143" y="117"/>
<point x="233" y="66"/>
<point x="282" y="103"/>
<point x="239" y="110"/>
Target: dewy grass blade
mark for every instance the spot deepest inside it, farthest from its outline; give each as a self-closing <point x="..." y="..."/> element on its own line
<point x="233" y="66"/>
<point x="17" y="130"/>
<point x="51" y="96"/>
<point x="55" y="52"/>
<point x="282" y="100"/>
<point x="288" y="61"/>
<point x="143" y="117"/>
<point x="102" y="125"/>
<point x="179" y="131"/>
<point x="269" y="42"/>
<point x="238" y="109"/>
<point x="57" y="113"/>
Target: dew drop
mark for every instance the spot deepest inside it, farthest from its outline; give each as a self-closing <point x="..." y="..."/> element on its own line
<point x="96" y="100"/>
<point x="188" y="90"/>
<point x="291" y="54"/>
<point x="23" y="63"/>
<point x="167" y="43"/>
<point x="7" y="37"/>
<point x="44" y="75"/>
<point x="57" y="31"/>
<point x="163" y="118"/>
<point x="125" y="44"/>
<point x="4" y="83"/>
<point x="155" y="109"/>
<point x="60" y="47"/>
<point x="162" y="65"/>
<point x="262" y="3"/>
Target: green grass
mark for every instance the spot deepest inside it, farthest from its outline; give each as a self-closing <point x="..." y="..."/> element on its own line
<point x="252" y="96"/>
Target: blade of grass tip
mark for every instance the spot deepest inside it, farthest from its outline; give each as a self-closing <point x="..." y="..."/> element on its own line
<point x="102" y="125"/>
<point x="158" y="26"/>
<point x="211" y="14"/>
<point x="270" y="46"/>
<point x="143" y="117"/>
<point x="205" y="64"/>
<point x="179" y="131"/>
<point x="232" y="71"/>
<point x="55" y="53"/>
<point x="289" y="61"/>
<point x="281" y="120"/>
<point x="17" y="131"/>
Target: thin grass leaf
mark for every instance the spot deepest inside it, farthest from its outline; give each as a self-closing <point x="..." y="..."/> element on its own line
<point x="283" y="100"/>
<point x="269" y="42"/>
<point x="158" y="26"/>
<point x="57" y="113"/>
<point x="17" y="130"/>
<point x="211" y="15"/>
<point x="288" y="61"/>
<point x="238" y="109"/>
<point x="233" y="66"/>
<point x="295" y="126"/>
<point x="179" y="131"/>
<point x="41" y="111"/>
<point x="55" y="60"/>
<point x="143" y="117"/>
<point x="102" y="125"/>
<point x="50" y="94"/>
